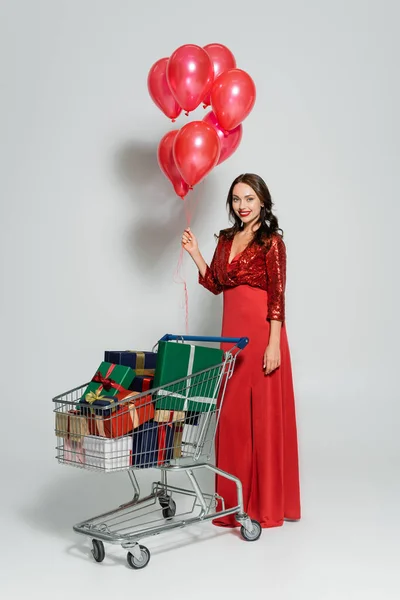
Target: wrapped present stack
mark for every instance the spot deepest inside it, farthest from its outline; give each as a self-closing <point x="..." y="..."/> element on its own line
<point x="114" y="425"/>
<point x="108" y="412"/>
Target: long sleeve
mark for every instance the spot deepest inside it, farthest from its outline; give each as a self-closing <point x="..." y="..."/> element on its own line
<point x="210" y="280"/>
<point x="276" y="279"/>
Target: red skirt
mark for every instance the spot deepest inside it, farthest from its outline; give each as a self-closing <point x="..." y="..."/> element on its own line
<point x="257" y="437"/>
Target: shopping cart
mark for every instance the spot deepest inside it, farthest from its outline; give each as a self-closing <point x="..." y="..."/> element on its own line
<point x="178" y="440"/>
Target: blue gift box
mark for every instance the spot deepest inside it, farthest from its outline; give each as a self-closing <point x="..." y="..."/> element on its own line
<point x="143" y="363"/>
<point x="142" y="383"/>
<point x="192" y="417"/>
<point x="98" y="406"/>
<point x="146" y="452"/>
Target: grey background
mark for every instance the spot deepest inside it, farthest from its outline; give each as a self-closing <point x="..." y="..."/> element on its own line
<point x="90" y="234"/>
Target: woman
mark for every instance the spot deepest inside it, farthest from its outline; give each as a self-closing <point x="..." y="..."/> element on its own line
<point x="257" y="436"/>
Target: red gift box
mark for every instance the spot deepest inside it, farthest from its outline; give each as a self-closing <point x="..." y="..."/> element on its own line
<point x="127" y="416"/>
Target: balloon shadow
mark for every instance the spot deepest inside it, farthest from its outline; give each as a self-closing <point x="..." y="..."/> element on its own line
<point x="155" y="233"/>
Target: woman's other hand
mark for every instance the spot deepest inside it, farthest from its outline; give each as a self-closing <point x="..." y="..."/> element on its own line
<point x="272" y="358"/>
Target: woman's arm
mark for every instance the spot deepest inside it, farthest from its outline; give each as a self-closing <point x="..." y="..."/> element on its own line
<point x="276" y="282"/>
<point x="207" y="274"/>
<point x="200" y="262"/>
<point x="276" y="279"/>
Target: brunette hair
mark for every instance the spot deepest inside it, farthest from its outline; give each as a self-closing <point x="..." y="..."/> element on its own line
<point x="268" y="221"/>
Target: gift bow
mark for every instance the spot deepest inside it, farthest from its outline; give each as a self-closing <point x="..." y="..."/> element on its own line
<point x="94" y="396"/>
<point x="106" y="382"/>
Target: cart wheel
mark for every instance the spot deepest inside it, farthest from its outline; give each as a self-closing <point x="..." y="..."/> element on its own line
<point x="164" y="501"/>
<point x="170" y="510"/>
<point x="139" y="563"/>
<point x="98" y="550"/>
<point x="251" y="536"/>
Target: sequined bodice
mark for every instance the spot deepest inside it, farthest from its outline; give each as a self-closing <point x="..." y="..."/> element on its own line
<point x="262" y="267"/>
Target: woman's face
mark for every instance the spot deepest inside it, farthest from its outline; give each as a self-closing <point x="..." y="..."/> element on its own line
<point x="246" y="204"/>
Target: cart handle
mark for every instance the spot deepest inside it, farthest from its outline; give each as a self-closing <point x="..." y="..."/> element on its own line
<point x="240" y="342"/>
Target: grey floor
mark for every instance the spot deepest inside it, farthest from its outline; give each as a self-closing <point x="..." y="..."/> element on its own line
<point x="345" y="547"/>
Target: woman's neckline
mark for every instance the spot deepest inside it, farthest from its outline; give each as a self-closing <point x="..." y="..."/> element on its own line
<point x="230" y="261"/>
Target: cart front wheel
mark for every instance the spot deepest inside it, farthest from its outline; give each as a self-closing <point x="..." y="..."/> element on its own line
<point x="169" y="511"/>
<point x="140" y="563"/>
<point x="251" y="536"/>
<point x="98" y="551"/>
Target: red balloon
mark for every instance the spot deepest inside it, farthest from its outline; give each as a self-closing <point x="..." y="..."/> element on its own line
<point x="196" y="151"/>
<point x="229" y="140"/>
<point x="167" y="163"/>
<point x="232" y="97"/>
<point x="190" y="75"/>
<point x="159" y="90"/>
<point x="222" y="60"/>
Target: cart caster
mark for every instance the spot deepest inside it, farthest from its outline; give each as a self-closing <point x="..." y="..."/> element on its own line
<point x="169" y="507"/>
<point x="139" y="563"/>
<point x="98" y="551"/>
<point x="251" y="536"/>
<point x="170" y="510"/>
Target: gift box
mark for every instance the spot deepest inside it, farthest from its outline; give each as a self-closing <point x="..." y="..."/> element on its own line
<point x="152" y="444"/>
<point x="178" y="435"/>
<point x="126" y="417"/>
<point x="143" y="363"/>
<point x="192" y="418"/>
<point x="177" y="360"/>
<point x="142" y="383"/>
<point x="169" y="416"/>
<point x="109" y="380"/>
<point x="72" y="452"/>
<point x="95" y="403"/>
<point x="71" y="425"/>
<point x="108" y="455"/>
<point x="165" y="439"/>
<point x="192" y="428"/>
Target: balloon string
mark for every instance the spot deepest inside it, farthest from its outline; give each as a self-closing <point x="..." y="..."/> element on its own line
<point x="180" y="278"/>
<point x="179" y="273"/>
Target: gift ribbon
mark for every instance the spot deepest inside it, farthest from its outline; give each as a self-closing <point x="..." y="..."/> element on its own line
<point x="164" y="415"/>
<point x="105" y="381"/>
<point x="140" y="360"/>
<point x="139" y="367"/>
<point x="162" y="440"/>
<point x="146" y="384"/>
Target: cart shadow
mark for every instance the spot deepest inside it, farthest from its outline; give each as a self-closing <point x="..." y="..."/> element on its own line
<point x="77" y="497"/>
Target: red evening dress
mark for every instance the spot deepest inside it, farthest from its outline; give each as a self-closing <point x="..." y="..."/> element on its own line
<point x="257" y="436"/>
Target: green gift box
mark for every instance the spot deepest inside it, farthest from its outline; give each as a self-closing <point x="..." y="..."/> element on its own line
<point x="177" y="360"/>
<point x="109" y="380"/>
